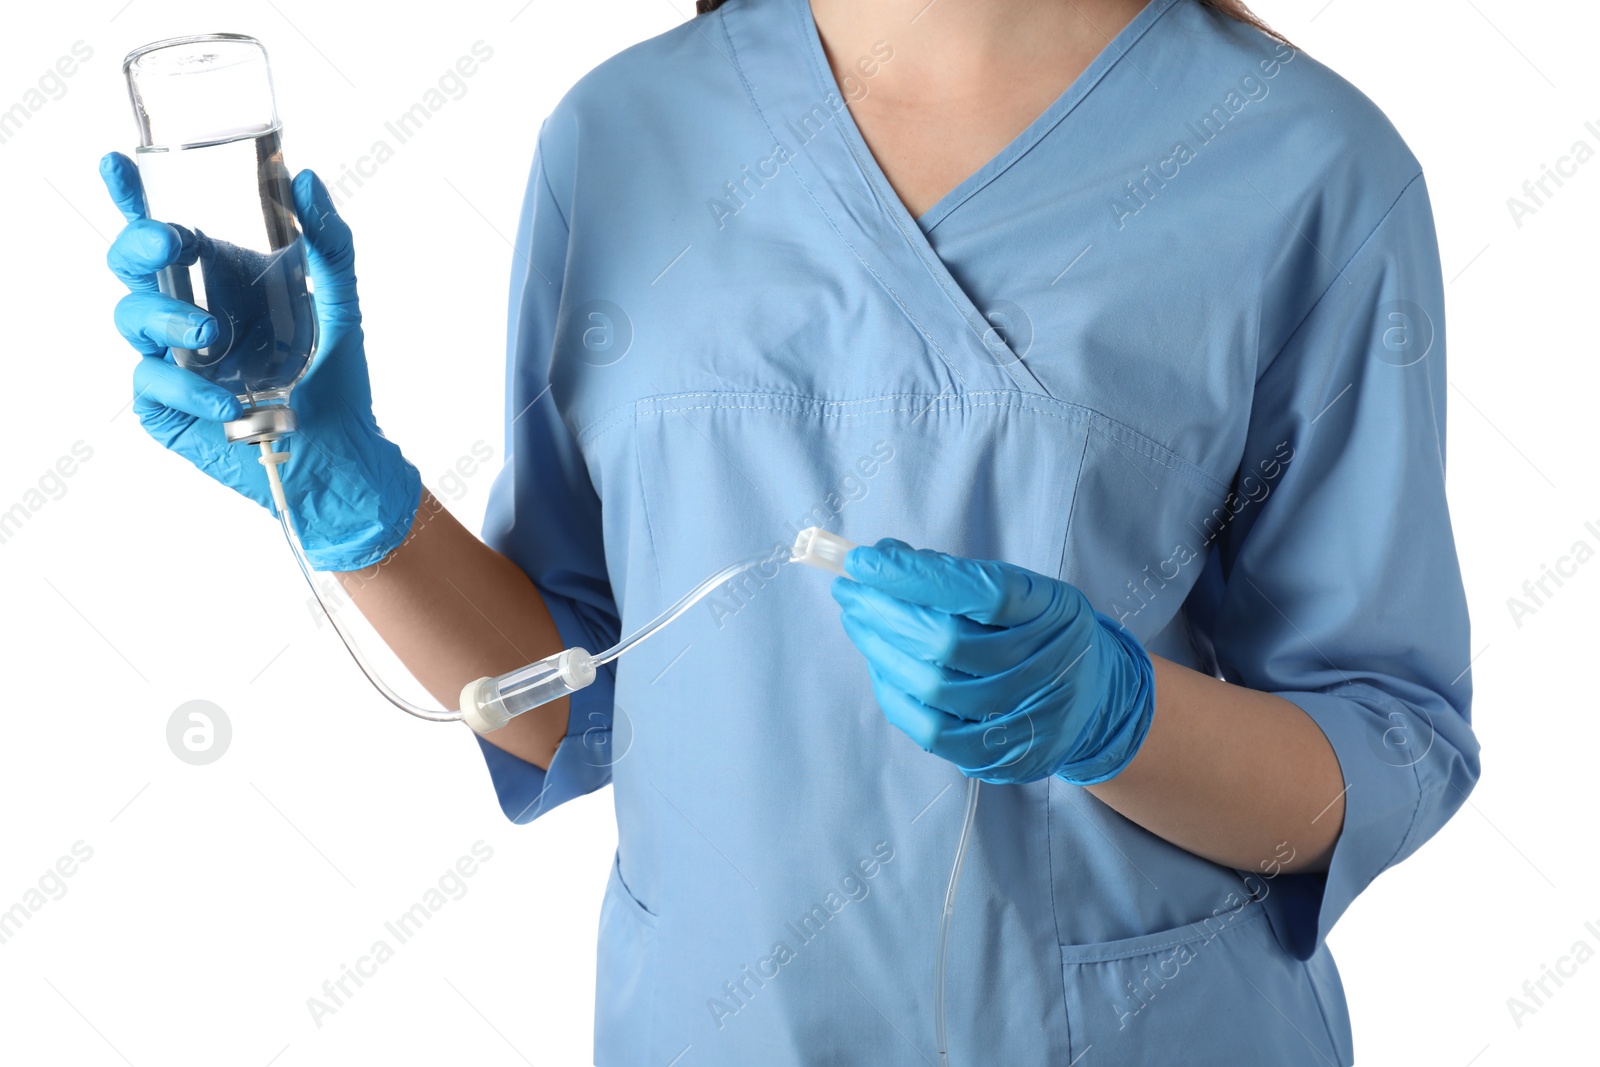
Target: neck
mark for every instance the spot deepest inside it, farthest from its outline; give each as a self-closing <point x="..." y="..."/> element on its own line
<point x="946" y="49"/>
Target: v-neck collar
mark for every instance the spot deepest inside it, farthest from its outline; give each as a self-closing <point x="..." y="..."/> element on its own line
<point x="1081" y="86"/>
<point x="774" y="47"/>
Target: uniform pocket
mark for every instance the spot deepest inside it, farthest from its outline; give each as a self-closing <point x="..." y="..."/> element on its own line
<point x="1221" y="991"/>
<point x="625" y="976"/>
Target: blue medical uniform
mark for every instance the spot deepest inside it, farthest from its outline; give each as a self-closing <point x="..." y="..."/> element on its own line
<point x="1181" y="343"/>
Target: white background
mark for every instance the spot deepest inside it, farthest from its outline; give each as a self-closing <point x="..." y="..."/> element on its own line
<point x="219" y="898"/>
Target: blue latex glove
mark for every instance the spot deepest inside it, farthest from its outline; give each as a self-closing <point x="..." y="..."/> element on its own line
<point x="1008" y="674"/>
<point x="351" y="493"/>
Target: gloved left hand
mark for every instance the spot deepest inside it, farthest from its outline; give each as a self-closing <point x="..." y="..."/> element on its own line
<point x="1010" y="675"/>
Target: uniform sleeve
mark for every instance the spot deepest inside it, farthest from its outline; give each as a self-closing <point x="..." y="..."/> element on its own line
<point x="544" y="515"/>
<point x="1339" y="587"/>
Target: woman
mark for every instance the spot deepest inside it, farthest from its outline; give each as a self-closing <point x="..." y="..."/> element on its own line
<point x="1130" y="296"/>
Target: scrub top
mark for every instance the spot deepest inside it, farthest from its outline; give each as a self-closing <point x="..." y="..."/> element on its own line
<point x="1181" y="343"/>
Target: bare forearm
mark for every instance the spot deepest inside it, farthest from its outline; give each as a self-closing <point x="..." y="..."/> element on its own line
<point x="1232" y="774"/>
<point x="453" y="609"/>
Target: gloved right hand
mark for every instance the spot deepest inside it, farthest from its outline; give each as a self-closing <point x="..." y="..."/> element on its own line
<point x="1007" y="673"/>
<point x="351" y="494"/>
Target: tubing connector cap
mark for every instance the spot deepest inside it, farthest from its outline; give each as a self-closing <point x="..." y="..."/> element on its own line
<point x="481" y="707"/>
<point x="818" y="548"/>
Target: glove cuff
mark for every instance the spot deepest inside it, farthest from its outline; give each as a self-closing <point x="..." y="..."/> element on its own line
<point x="360" y="533"/>
<point x="1136" y="676"/>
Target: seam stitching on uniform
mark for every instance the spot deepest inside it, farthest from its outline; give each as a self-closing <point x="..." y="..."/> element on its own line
<point x="1411" y="823"/>
<point x="544" y="179"/>
<point x="1072" y="507"/>
<point x="1201" y="934"/>
<point x="1055" y="912"/>
<point x="1333" y="1045"/>
<point x="1340" y="272"/>
<point x="644" y="505"/>
<point x="792" y="404"/>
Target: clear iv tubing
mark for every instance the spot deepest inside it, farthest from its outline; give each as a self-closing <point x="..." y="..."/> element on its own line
<point x="270" y="460"/>
<point x="537" y="675"/>
<point x="943" y="950"/>
<point x="687" y="601"/>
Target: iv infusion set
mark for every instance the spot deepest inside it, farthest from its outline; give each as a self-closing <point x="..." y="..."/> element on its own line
<point x="489" y="703"/>
<point x="210" y="160"/>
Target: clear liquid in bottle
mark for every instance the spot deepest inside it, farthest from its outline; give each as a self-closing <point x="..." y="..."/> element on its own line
<point x="246" y="264"/>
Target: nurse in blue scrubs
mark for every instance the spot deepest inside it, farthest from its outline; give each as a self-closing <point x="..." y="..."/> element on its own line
<point x="1129" y="317"/>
